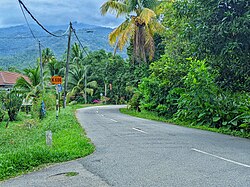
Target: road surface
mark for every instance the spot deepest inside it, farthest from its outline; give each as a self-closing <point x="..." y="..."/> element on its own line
<point x="142" y="153"/>
<point x="138" y="152"/>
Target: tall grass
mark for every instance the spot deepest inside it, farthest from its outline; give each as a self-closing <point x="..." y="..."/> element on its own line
<point x="23" y="144"/>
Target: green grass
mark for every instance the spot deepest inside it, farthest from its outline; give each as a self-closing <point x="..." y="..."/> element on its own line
<point x="23" y="144"/>
<point x="153" y="116"/>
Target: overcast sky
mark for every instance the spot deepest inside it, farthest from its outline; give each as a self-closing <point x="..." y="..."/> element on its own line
<point x="56" y="12"/>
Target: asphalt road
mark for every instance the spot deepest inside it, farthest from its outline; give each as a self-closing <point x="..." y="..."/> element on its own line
<point x="137" y="152"/>
<point x="142" y="153"/>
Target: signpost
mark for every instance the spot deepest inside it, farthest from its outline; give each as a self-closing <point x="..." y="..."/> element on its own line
<point x="57" y="80"/>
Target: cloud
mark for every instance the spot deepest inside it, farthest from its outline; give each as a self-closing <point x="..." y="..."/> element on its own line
<point x="54" y="12"/>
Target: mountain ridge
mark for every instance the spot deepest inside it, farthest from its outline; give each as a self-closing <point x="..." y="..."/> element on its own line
<point x="18" y="48"/>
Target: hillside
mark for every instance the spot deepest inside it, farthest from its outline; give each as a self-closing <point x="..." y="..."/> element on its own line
<point x="18" y="48"/>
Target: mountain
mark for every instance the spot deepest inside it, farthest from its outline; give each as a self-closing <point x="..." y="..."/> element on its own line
<point x="18" y="48"/>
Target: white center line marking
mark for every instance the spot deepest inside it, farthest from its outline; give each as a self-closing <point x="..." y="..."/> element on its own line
<point x="219" y="157"/>
<point x="139" y="130"/>
<point x="114" y="120"/>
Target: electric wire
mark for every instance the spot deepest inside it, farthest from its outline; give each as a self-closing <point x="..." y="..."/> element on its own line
<point x="22" y="5"/>
<point x="33" y="35"/>
<point x="84" y="48"/>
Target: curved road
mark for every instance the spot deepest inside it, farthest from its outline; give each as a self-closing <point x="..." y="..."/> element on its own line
<point x="137" y="152"/>
<point x="142" y="153"/>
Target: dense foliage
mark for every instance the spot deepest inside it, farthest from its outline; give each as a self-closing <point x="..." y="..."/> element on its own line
<point x="203" y="77"/>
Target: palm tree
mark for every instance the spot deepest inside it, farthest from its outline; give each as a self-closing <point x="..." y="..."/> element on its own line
<point x="140" y="25"/>
<point x="79" y="83"/>
<point x="55" y="67"/>
<point x="47" y="56"/>
<point x="31" y="87"/>
<point x="76" y="54"/>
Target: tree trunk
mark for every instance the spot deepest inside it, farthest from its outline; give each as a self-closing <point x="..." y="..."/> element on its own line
<point x="139" y="55"/>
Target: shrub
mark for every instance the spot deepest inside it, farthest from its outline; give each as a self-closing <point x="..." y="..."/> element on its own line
<point x="12" y="104"/>
<point x="203" y="103"/>
<point x="135" y="101"/>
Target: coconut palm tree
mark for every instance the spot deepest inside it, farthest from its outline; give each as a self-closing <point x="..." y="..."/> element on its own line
<point x="79" y="83"/>
<point x="55" y="67"/>
<point x="140" y="25"/>
<point x="47" y="56"/>
<point x="33" y="87"/>
<point x="76" y="54"/>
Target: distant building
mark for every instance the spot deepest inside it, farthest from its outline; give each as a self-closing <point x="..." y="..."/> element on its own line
<point x="8" y="79"/>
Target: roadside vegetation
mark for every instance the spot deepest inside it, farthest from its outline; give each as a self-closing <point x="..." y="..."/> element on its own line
<point x="202" y="79"/>
<point x="23" y="144"/>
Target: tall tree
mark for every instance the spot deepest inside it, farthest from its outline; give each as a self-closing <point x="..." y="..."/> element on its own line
<point x="140" y="25"/>
<point x="47" y="56"/>
<point x="76" y="54"/>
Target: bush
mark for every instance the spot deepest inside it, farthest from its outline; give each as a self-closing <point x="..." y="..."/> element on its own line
<point x="203" y="103"/>
<point x="198" y="100"/>
<point x="135" y="101"/>
<point x="12" y="104"/>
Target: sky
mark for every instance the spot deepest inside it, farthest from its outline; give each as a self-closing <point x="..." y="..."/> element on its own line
<point x="56" y="12"/>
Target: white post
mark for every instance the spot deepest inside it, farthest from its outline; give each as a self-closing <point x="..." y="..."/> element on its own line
<point x="49" y="138"/>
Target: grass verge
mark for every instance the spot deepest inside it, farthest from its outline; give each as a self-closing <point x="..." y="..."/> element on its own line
<point x="23" y="144"/>
<point x="153" y="116"/>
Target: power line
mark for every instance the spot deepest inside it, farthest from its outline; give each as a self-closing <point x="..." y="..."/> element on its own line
<point x="28" y="23"/>
<point x="80" y="42"/>
<point x="22" y="37"/>
<point x="22" y="5"/>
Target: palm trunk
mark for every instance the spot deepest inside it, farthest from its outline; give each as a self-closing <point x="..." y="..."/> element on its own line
<point x="139" y="55"/>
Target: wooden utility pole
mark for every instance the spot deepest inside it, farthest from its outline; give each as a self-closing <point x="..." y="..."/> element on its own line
<point x="85" y="85"/>
<point x="67" y="67"/>
<point x="41" y="66"/>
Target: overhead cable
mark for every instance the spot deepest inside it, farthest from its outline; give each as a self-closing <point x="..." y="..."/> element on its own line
<point x="80" y="42"/>
<point x="33" y="35"/>
<point x="22" y="5"/>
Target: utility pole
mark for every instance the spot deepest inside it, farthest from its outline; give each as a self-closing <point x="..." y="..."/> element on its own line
<point x="67" y="67"/>
<point x="85" y="85"/>
<point x="41" y="66"/>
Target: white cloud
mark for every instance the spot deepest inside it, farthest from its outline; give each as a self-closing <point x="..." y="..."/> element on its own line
<point x="54" y="12"/>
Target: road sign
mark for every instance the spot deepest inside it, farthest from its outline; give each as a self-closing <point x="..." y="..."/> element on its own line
<point x="59" y="88"/>
<point x="56" y="80"/>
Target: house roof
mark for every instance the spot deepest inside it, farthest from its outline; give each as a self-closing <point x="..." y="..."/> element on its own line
<point x="10" y="78"/>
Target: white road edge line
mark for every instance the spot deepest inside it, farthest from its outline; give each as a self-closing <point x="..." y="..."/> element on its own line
<point x="219" y="157"/>
<point x="139" y="130"/>
<point x="114" y="120"/>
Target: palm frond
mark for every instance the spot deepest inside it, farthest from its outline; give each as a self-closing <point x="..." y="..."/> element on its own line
<point x="147" y="15"/>
<point x="89" y="91"/>
<point x="92" y="84"/>
<point x="76" y="89"/>
<point x="126" y="35"/>
<point x="114" y="7"/>
<point x="118" y="31"/>
<point x="23" y="84"/>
